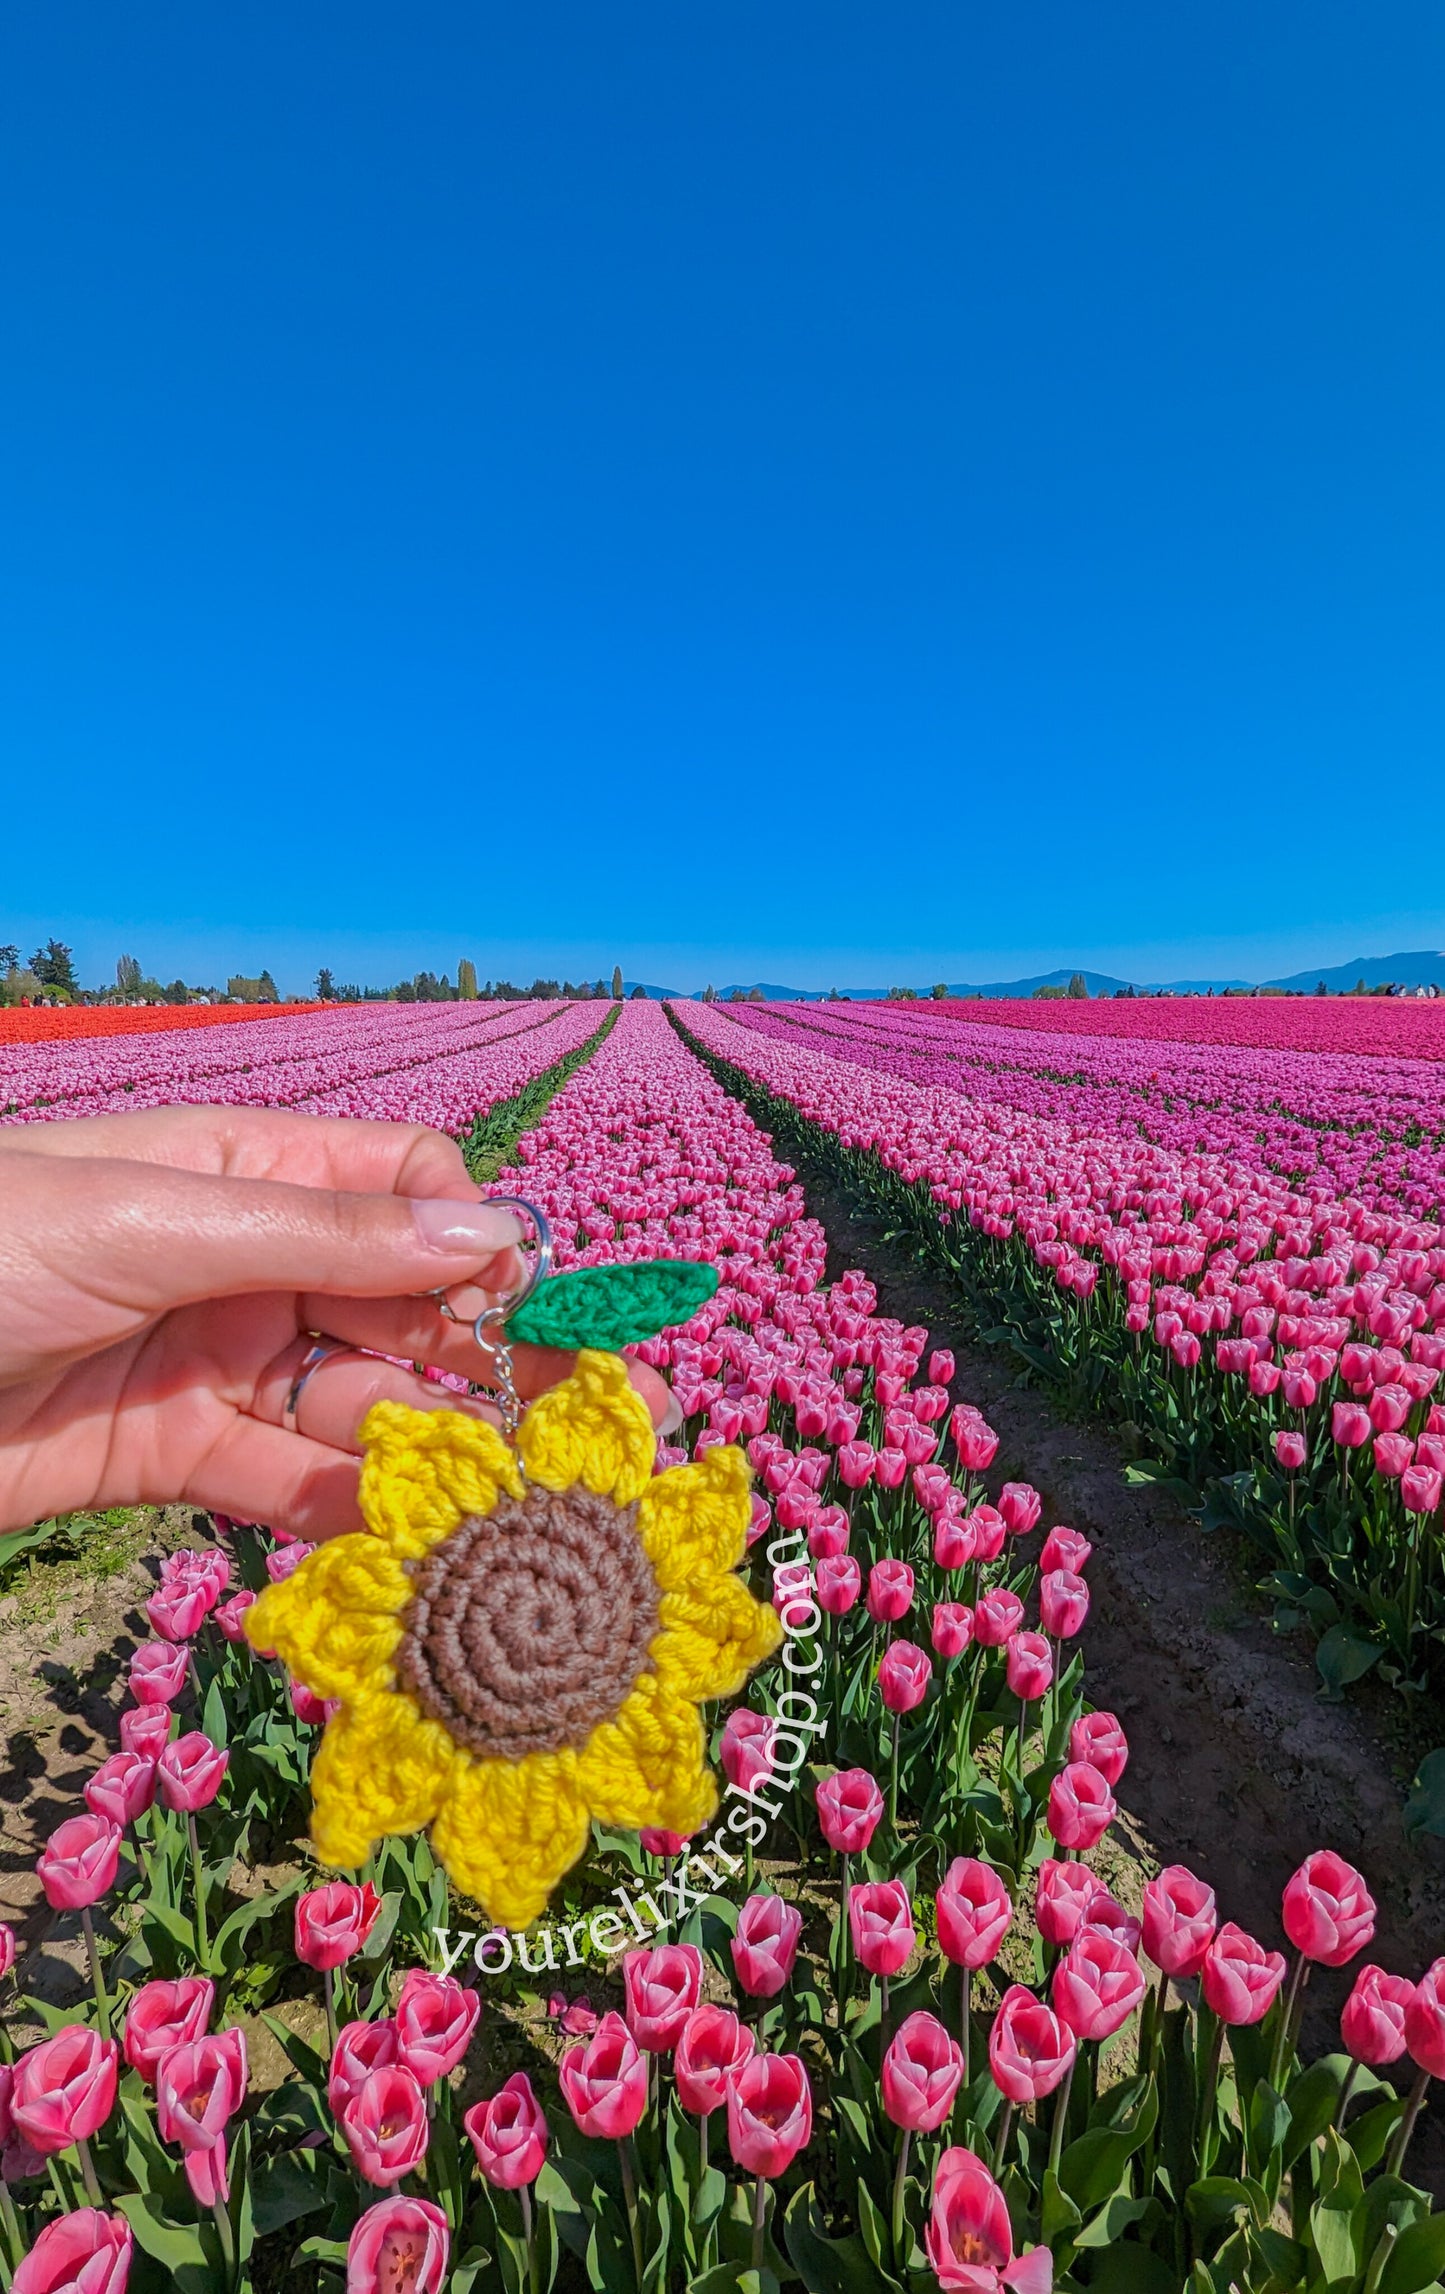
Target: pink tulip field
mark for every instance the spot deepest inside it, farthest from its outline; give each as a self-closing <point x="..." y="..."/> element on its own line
<point x="937" y="2020"/>
<point x="1148" y="1232"/>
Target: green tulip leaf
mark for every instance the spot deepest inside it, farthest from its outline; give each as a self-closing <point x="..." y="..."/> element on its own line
<point x="613" y="1306"/>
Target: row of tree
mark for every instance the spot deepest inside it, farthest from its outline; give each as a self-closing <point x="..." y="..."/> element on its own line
<point x="50" y="977"/>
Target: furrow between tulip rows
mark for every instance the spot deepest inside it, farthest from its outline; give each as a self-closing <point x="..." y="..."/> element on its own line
<point x="1275" y="1356"/>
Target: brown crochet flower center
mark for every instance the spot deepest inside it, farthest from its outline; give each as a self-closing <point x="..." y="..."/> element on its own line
<point x="530" y="1624"/>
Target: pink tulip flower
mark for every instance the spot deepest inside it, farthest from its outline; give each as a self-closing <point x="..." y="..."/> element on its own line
<point x="904" y="1673"/>
<point x="663" y="1984"/>
<point x="122" y="1788"/>
<point x="164" y="2015"/>
<point x="64" y="2089"/>
<point x="435" y="2017"/>
<point x="1030" y="1669"/>
<point x="1081" y="1806"/>
<point x="1096" y="1986"/>
<point x="604" y="2082"/>
<point x="78" y="1863"/>
<point x="157" y="1673"/>
<point x="1099" y="1740"/>
<point x="770" y="2114"/>
<point x="1029" y="2049"/>
<point x="1179" y="1921"/>
<point x="714" y="2046"/>
<point x="385" y="2125"/>
<point x="83" y="2252"/>
<point x="190" y="1772"/>
<point x="1372" y="2020"/>
<point x="200" y="2086"/>
<point x="398" y="2244"/>
<point x="509" y="2134"/>
<point x="1329" y="1913"/>
<point x="970" y="2237"/>
<point x="922" y="2071"/>
<point x="1063" y="1603"/>
<point x="974" y="1911"/>
<point x="881" y="1918"/>
<point x="850" y="1807"/>
<point x="766" y="1944"/>
<point x="333" y="1922"/>
<point x="1239" y="1978"/>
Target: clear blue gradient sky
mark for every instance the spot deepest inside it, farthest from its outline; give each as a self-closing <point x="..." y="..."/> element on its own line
<point x="814" y="493"/>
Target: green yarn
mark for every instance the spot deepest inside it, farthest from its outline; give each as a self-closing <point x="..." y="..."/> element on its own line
<point x="613" y="1306"/>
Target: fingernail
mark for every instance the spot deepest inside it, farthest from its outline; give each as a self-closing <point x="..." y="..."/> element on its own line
<point x="467" y="1230"/>
<point x="671" y="1417"/>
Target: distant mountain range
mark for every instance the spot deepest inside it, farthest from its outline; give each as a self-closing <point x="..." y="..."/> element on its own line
<point x="1418" y="968"/>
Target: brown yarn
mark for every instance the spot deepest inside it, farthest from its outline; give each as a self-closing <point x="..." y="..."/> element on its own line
<point x="530" y="1624"/>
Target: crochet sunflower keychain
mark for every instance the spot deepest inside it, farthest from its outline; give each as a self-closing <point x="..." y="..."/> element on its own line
<point x="520" y="1639"/>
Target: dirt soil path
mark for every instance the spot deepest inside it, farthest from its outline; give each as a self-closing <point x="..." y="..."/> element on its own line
<point x="1237" y="1767"/>
<point x="66" y="1637"/>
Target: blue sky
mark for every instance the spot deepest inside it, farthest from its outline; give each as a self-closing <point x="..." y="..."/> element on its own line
<point x="811" y="493"/>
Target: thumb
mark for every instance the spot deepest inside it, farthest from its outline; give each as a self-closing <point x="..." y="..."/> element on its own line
<point x="92" y="1250"/>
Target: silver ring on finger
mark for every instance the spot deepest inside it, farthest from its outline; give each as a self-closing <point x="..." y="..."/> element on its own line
<point x="320" y="1350"/>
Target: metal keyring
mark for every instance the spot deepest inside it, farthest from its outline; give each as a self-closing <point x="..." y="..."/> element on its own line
<point x="539" y="1267"/>
<point x="490" y="1327"/>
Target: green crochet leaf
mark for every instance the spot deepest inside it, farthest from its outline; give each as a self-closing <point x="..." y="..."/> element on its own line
<point x="613" y="1306"/>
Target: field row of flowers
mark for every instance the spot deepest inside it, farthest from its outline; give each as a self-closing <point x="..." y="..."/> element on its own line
<point x="1367" y="1128"/>
<point x="64" y="1023"/>
<point x="1395" y="1028"/>
<point x="904" y="2018"/>
<point x="411" y="1063"/>
<point x="1280" y="1350"/>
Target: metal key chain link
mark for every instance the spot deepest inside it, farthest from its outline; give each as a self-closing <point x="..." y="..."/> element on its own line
<point x="489" y="1327"/>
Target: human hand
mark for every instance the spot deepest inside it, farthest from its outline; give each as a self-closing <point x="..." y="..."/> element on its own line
<point x="161" y="1273"/>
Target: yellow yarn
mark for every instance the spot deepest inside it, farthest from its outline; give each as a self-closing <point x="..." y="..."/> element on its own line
<point x="595" y="1429"/>
<point x="507" y="1830"/>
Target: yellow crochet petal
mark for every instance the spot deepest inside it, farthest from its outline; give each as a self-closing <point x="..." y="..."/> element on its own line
<point x="714" y="1632"/>
<point x="510" y="1829"/>
<point x="693" y="1520"/>
<point x="426" y="1470"/>
<point x="380" y="1768"/>
<point x="336" y="1621"/>
<point x="595" y="1429"/>
<point x="646" y="1766"/>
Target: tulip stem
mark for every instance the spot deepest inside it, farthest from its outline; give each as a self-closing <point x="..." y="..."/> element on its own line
<point x="964" y="2019"/>
<point x="893" y="1780"/>
<point x="702" y="2147"/>
<point x="529" y="2236"/>
<point x="845" y="1947"/>
<point x="1286" y="2018"/>
<point x="198" y="1870"/>
<point x="92" y="1953"/>
<point x="15" y="2236"/>
<point x="1005" y="2126"/>
<point x="1381" y="2255"/>
<point x="883" y="2012"/>
<point x="329" y="1979"/>
<point x="899" y="2181"/>
<point x="1061" y="2117"/>
<point x="1343" y="2104"/>
<point x="629" y="2193"/>
<point x="93" y="2190"/>
<point x="1406" y="2127"/>
<point x="228" y="2242"/>
<point x="760" y="2204"/>
<point x="1209" y="2089"/>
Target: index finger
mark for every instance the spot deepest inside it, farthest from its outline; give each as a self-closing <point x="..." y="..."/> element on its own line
<point x="349" y="1152"/>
